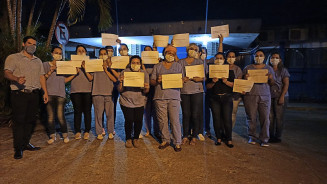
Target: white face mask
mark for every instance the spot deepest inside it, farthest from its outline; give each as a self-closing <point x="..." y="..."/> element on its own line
<point x="104" y="57"/>
<point x="135" y="67"/>
<point x="169" y="58"/>
<point x="219" y="61"/>
<point x="110" y="54"/>
<point x="259" y="60"/>
<point x="57" y="57"/>
<point x="203" y="56"/>
<point x="231" y="60"/>
<point x="123" y="53"/>
<point x="192" y="53"/>
<point x="274" y="61"/>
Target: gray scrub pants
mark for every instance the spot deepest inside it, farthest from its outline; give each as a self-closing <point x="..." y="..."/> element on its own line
<point x="235" y="108"/>
<point x="103" y="103"/>
<point x="165" y="109"/>
<point x="254" y="104"/>
<point x="277" y="118"/>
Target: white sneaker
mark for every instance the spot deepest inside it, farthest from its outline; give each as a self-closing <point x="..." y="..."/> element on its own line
<point x="100" y="137"/>
<point x="140" y="136"/>
<point x="264" y="144"/>
<point x="66" y="139"/>
<point x="111" y="136"/>
<point x="201" y="137"/>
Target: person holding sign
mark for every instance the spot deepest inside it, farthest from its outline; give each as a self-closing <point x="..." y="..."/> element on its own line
<point x="221" y="103"/>
<point x="110" y="51"/>
<point x="57" y="95"/>
<point x="167" y="101"/>
<point x="149" y="111"/>
<point x="102" y="96"/>
<point x="132" y="101"/>
<point x="231" y="58"/>
<point x="279" y="98"/>
<point x="258" y="100"/>
<point x="192" y="95"/>
<point x="81" y="98"/>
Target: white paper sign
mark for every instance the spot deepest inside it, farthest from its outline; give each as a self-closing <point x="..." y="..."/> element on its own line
<point x="150" y="57"/>
<point x="109" y="39"/>
<point x="181" y="40"/>
<point x="194" y="71"/>
<point x="94" y="65"/>
<point x="160" y="40"/>
<point x="119" y="62"/>
<point x="241" y="85"/>
<point x="134" y="79"/>
<point x="65" y="68"/>
<point x="218" y="71"/>
<point x="172" y="81"/>
<point x="217" y="30"/>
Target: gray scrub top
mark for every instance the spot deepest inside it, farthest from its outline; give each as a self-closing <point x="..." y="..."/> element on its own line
<point x="133" y="97"/>
<point x="259" y="89"/>
<point x="166" y="94"/>
<point x="102" y="84"/>
<point x="278" y="86"/>
<point x="55" y="83"/>
<point x="21" y="65"/>
<point x="191" y="87"/>
<point x="80" y="84"/>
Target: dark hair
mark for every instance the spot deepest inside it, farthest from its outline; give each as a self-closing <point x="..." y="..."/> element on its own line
<point x="28" y="37"/>
<point x="220" y="53"/>
<point x="229" y="51"/>
<point x="103" y="49"/>
<point x="55" y="47"/>
<point x="280" y="65"/>
<point x="260" y="50"/>
<point x="148" y="46"/>
<point x="80" y="46"/>
<point x="124" y="45"/>
<point x="200" y="47"/>
<point x="109" y="47"/>
<point x="133" y="57"/>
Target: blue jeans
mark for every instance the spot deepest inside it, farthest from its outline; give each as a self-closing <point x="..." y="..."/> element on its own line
<point x="56" y="105"/>
<point x="192" y="109"/>
<point x="277" y="118"/>
<point x="222" y="107"/>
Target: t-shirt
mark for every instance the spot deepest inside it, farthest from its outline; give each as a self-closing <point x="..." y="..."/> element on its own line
<point x="166" y="94"/>
<point x="261" y="89"/>
<point x="21" y="66"/>
<point x="133" y="97"/>
<point x="102" y="84"/>
<point x="55" y="83"/>
<point x="219" y="87"/>
<point x="191" y="87"/>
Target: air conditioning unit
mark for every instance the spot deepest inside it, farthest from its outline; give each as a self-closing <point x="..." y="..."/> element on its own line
<point x="298" y="34"/>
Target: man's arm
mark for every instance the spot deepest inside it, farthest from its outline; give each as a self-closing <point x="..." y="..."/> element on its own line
<point x="44" y="88"/>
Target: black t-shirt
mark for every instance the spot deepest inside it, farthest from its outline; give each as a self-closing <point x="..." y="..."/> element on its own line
<point x="220" y="87"/>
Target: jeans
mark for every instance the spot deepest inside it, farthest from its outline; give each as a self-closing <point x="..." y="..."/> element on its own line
<point x="82" y="103"/>
<point x="192" y="109"/>
<point x="25" y="107"/>
<point x="235" y="108"/>
<point x="222" y="107"/>
<point x="115" y="96"/>
<point x="207" y="113"/>
<point x="277" y="118"/>
<point x="55" y="105"/>
<point x="133" y="116"/>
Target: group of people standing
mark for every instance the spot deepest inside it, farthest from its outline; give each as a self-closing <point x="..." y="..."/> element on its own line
<point x="160" y="107"/>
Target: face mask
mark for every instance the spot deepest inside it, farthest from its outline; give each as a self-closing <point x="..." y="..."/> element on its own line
<point x="203" y="56"/>
<point x="274" y="61"/>
<point x="104" y="57"/>
<point x="192" y="53"/>
<point x="259" y="60"/>
<point x="110" y="54"/>
<point x="135" y="67"/>
<point x="169" y="58"/>
<point x="30" y="49"/>
<point x="81" y="53"/>
<point x="124" y="53"/>
<point x="231" y="60"/>
<point x="219" y="61"/>
<point x="57" y="57"/>
<point x="197" y="56"/>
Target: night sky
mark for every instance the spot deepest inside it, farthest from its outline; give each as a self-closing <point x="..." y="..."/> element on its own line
<point x="272" y="13"/>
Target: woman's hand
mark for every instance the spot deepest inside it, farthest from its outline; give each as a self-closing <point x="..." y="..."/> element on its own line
<point x="159" y="79"/>
<point x="214" y="80"/>
<point x="146" y="85"/>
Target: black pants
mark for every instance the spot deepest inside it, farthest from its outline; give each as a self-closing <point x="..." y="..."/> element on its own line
<point x="82" y="103"/>
<point x="222" y="107"/>
<point x="25" y="109"/>
<point x="192" y="109"/>
<point x="133" y="116"/>
<point x="115" y="95"/>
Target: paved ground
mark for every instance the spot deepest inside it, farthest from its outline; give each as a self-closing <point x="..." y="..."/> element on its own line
<point x="300" y="158"/>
